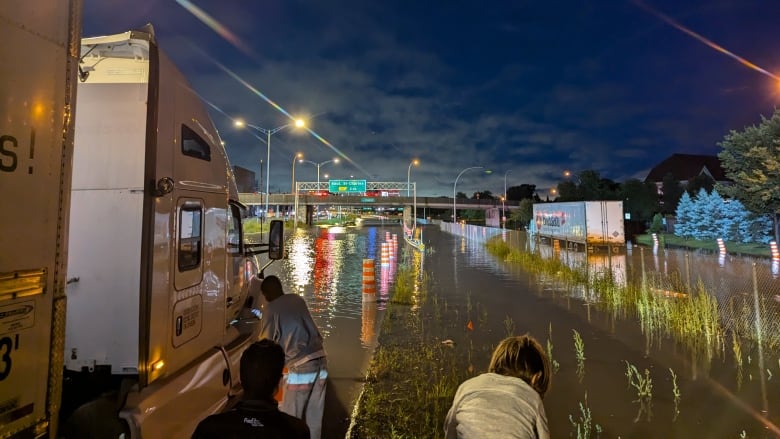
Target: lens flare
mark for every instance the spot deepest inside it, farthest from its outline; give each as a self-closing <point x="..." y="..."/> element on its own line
<point x="216" y="26"/>
<point x="232" y="38"/>
<point x="278" y="107"/>
<point x="705" y="41"/>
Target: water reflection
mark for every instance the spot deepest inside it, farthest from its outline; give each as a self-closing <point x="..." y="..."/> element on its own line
<point x="368" y="324"/>
<point x="325" y="266"/>
<point x="300" y="255"/>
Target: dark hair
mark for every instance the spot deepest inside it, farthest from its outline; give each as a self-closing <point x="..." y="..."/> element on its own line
<point x="271" y="288"/>
<point x="261" y="369"/>
<point x="522" y="357"/>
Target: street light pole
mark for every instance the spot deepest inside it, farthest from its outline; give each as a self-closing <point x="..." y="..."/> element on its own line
<point x="318" y="165"/>
<point x="454" y="186"/>
<point x="503" y="212"/>
<point x="414" y="211"/>
<point x="503" y="206"/>
<point x="408" y="175"/>
<point x="268" y="133"/>
<point x="296" y="157"/>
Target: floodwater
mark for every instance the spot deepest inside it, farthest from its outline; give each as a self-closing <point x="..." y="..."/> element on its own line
<point x="717" y="397"/>
<point x="696" y="390"/>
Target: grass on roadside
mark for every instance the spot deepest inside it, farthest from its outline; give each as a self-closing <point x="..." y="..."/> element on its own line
<point x="693" y="319"/>
<point x="412" y="377"/>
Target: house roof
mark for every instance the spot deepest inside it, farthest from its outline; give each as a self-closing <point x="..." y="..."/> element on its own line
<point x="683" y="167"/>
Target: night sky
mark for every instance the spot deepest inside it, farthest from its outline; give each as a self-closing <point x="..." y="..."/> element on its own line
<point x="531" y="87"/>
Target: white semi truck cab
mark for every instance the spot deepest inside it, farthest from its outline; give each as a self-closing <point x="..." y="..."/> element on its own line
<point x="158" y="272"/>
<point x="126" y="287"/>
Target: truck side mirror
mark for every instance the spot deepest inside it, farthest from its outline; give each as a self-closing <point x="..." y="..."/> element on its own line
<point x="276" y="240"/>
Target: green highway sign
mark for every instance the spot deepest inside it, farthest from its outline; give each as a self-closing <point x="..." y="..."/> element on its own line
<point x="346" y="186"/>
<point x="367" y="200"/>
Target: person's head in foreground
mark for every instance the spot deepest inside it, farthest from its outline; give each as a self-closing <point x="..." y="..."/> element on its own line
<point x="261" y="369"/>
<point x="522" y="357"/>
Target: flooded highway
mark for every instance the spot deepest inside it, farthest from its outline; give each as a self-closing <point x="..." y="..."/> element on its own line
<point x="632" y="379"/>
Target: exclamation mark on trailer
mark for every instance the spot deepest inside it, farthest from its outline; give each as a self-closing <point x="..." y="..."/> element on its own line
<point x="32" y="150"/>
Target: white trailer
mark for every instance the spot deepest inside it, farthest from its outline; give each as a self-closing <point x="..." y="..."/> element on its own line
<point x="37" y="84"/>
<point x="594" y="226"/>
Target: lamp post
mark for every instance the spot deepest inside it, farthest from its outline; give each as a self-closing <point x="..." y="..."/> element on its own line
<point x="319" y="165"/>
<point x="268" y="133"/>
<point x="454" y="186"/>
<point x="503" y="210"/>
<point x="503" y="199"/>
<point x="296" y="157"/>
<point x="414" y="162"/>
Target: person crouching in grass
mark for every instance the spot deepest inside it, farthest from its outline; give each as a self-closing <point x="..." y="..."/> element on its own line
<point x="507" y="400"/>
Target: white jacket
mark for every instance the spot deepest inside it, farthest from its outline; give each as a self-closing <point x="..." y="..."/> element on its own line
<point x="496" y="406"/>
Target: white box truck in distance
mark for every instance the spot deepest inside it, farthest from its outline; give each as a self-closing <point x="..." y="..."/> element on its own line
<point x="595" y="226"/>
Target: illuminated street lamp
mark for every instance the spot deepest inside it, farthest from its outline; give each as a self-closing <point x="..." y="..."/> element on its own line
<point x="297" y="157"/>
<point x="573" y="188"/>
<point x="319" y="165"/>
<point x="454" y="193"/>
<point x="569" y="174"/>
<point x="299" y="123"/>
<point x="414" y="162"/>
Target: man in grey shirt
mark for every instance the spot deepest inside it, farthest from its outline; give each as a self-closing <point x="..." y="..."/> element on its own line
<point x="287" y="321"/>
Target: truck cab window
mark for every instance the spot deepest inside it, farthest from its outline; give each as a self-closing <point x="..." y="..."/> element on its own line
<point x="234" y="230"/>
<point x="193" y="145"/>
<point x="189" y="237"/>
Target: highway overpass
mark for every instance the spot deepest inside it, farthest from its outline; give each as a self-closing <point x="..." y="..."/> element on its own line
<point x="254" y="199"/>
